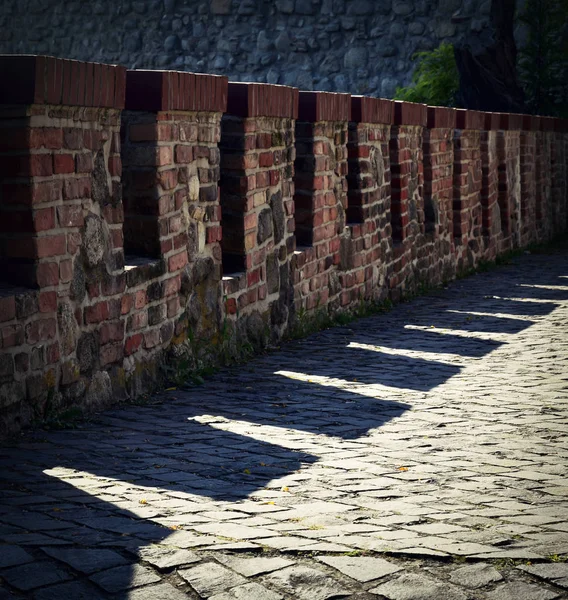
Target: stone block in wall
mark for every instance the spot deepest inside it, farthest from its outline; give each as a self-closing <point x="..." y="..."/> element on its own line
<point x="257" y="188"/>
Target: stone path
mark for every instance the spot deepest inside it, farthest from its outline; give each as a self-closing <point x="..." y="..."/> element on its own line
<point x="416" y="455"/>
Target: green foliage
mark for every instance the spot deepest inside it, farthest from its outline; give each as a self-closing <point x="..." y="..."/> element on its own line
<point x="543" y="61"/>
<point x="435" y="79"/>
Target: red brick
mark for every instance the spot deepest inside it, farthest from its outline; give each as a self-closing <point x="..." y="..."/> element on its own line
<point x="12" y="335"/>
<point x="51" y="245"/>
<point x="53" y="354"/>
<point x="79" y="187"/>
<point x="132" y="344"/>
<point x="66" y="270"/>
<point x="231" y="306"/>
<point x="173" y="307"/>
<point x="140" y="299"/>
<point x="84" y="162"/>
<point x="47" y="274"/>
<point x="63" y="164"/>
<point x="183" y="154"/>
<point x="40" y="165"/>
<point x="151" y="338"/>
<point x="111" y="332"/>
<point x="172" y="286"/>
<point x="48" y="302"/>
<point x="266" y="159"/>
<point x="97" y="313"/>
<point x="70" y="215"/>
<point x="44" y="219"/>
<point x="126" y="304"/>
<point x="214" y="234"/>
<point x="40" y="330"/>
<point x="7" y="308"/>
<point x="51" y="138"/>
<point x="111" y="353"/>
<point x="74" y="241"/>
<point x="177" y="261"/>
<point x="115" y="166"/>
<point x="73" y="138"/>
<point x="139" y="320"/>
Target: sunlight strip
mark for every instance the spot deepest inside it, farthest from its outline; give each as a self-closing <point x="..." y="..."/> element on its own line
<point x="373" y="390"/>
<point x="499" y="315"/>
<point x="481" y="335"/>
<point x="422" y="354"/>
<point x="563" y="288"/>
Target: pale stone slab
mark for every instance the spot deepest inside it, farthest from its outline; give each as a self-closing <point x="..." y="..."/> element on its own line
<point x="361" y="568"/>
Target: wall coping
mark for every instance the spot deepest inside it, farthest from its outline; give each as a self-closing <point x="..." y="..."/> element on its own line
<point x="324" y="106"/>
<point x="31" y="79"/>
<point x="366" y="109"/>
<point x="441" y="117"/>
<point x="262" y="100"/>
<point x="410" y="113"/>
<point x="469" y="119"/>
<point x="175" y="90"/>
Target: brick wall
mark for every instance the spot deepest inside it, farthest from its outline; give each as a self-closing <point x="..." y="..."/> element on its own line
<point x="146" y="212"/>
<point x="257" y="189"/>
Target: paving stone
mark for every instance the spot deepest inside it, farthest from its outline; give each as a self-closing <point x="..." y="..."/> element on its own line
<point x="361" y="568"/>
<point x="547" y="571"/>
<point x="162" y="591"/>
<point x="417" y="587"/>
<point x="164" y="558"/>
<point x="72" y="591"/>
<point x="13" y="555"/>
<point x="519" y="590"/>
<point x="475" y="576"/>
<point x="124" y="578"/>
<point x="249" y="591"/>
<point x="33" y="575"/>
<point x="231" y="530"/>
<point x="254" y="566"/>
<point x="210" y="578"/>
<point x="305" y="583"/>
<point x="87" y="561"/>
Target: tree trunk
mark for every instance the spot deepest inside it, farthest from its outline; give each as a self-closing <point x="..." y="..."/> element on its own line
<point x="487" y="70"/>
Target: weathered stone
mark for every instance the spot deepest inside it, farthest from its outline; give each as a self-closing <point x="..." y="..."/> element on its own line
<point x="272" y="273"/>
<point x="305" y="583"/>
<point x="361" y="568"/>
<point x="33" y="575"/>
<point x="67" y="328"/>
<point x="210" y="578"/>
<point x="13" y="555"/>
<point x="264" y="228"/>
<point x="278" y="216"/>
<point x="99" y="392"/>
<point x="87" y="352"/>
<point x="94" y="240"/>
<point x="100" y="192"/>
<point x="26" y="305"/>
<point x="86" y="561"/>
<point x="475" y="576"/>
<point x="123" y="578"/>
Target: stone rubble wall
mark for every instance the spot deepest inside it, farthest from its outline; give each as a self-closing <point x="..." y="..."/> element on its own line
<point x="145" y="213"/>
<point x="356" y="46"/>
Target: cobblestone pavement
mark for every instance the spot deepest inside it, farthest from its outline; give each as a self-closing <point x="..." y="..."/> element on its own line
<point x="415" y="455"/>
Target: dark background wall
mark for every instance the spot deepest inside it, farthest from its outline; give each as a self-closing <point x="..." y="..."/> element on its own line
<point x="360" y="46"/>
